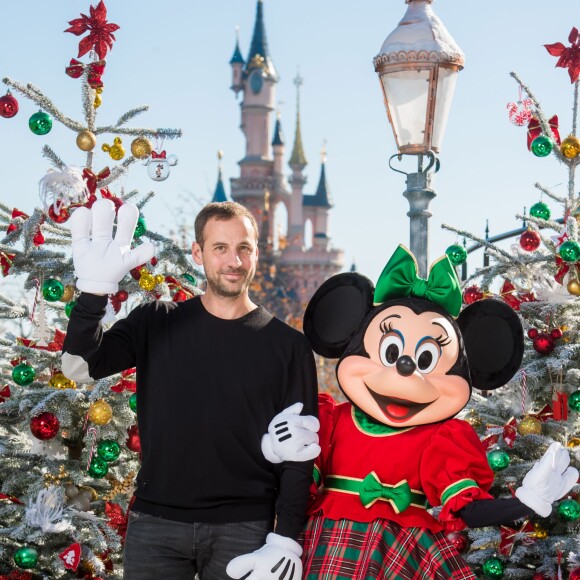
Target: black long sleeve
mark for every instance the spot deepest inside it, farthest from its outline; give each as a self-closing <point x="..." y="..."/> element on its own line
<point x="494" y="512"/>
<point x="207" y="389"/>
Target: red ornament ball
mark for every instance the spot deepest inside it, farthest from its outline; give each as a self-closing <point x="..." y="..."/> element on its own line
<point x="544" y="344"/>
<point x="179" y="296"/>
<point x="122" y="295"/>
<point x="459" y="541"/>
<point x="530" y="240"/>
<point x="472" y="294"/>
<point x="8" y="106"/>
<point x="574" y="574"/>
<point x="44" y="426"/>
<point x="133" y="442"/>
<point x="538" y="576"/>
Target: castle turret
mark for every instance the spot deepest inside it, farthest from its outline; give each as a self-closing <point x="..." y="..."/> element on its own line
<point x="220" y="191"/>
<point x="237" y="63"/>
<point x="278" y="148"/>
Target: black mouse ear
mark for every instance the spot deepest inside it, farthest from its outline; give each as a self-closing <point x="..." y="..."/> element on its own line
<point x="494" y="342"/>
<point x="335" y="312"/>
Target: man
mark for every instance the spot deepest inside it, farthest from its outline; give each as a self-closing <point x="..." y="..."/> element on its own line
<point x="211" y="373"/>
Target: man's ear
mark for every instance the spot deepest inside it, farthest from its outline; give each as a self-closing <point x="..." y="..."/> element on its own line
<point x="196" y="253"/>
<point x="336" y="311"/>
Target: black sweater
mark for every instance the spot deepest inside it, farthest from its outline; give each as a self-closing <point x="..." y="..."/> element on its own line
<point x="207" y="388"/>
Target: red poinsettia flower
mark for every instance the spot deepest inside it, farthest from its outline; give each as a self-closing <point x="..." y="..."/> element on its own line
<point x="100" y="31"/>
<point x="569" y="57"/>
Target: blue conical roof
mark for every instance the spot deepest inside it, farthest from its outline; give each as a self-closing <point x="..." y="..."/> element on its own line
<point x="259" y="46"/>
<point x="220" y="191"/>
<point x="322" y="197"/>
<point x="237" y="56"/>
<point x="278" y="134"/>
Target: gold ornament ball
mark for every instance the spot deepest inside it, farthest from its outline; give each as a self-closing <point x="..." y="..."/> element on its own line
<point x="68" y="294"/>
<point x="98" y="99"/>
<point x="574" y="442"/>
<point x="147" y="282"/>
<point x="473" y="419"/>
<point x="141" y="147"/>
<point x="570" y="147"/>
<point x="530" y="426"/>
<point x="100" y="412"/>
<point x="573" y="287"/>
<point x="540" y="532"/>
<point x="59" y="381"/>
<point x="86" y="141"/>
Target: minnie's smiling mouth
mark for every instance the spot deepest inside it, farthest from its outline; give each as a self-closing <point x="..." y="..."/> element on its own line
<point x="395" y="409"/>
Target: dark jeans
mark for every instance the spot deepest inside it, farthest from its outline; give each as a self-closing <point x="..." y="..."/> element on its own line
<point x="157" y="548"/>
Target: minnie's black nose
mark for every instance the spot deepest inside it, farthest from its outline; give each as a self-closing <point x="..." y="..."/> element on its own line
<point x="405" y="365"/>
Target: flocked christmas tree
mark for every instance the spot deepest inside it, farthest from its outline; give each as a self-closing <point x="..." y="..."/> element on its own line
<point x="539" y="277"/>
<point x="69" y="452"/>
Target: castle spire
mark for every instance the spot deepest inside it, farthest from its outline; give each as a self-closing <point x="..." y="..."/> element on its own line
<point x="322" y="197"/>
<point x="298" y="159"/>
<point x="278" y="134"/>
<point x="237" y="56"/>
<point x="220" y="191"/>
<point x="259" y="54"/>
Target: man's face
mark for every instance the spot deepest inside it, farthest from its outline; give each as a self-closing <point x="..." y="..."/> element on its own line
<point x="228" y="257"/>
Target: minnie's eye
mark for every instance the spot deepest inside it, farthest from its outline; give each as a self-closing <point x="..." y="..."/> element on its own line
<point x="427" y="357"/>
<point x="390" y="349"/>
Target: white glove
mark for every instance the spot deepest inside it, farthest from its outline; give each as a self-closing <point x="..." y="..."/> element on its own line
<point x="291" y="436"/>
<point x="548" y="480"/>
<point x="279" y="559"/>
<point x="100" y="261"/>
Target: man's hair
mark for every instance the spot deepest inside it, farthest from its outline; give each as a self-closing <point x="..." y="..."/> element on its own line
<point x="223" y="211"/>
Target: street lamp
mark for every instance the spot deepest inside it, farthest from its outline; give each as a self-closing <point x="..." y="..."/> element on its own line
<point x="417" y="66"/>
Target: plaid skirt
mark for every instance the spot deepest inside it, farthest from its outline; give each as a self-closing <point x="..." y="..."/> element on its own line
<point x="347" y="550"/>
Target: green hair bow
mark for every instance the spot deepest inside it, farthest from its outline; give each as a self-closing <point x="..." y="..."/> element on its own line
<point x="400" y="279"/>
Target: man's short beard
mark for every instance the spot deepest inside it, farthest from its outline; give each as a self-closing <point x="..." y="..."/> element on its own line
<point x="222" y="290"/>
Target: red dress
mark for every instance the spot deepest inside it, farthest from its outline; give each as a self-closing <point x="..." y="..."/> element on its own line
<point x="372" y="473"/>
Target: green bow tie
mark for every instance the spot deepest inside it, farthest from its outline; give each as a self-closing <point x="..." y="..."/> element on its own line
<point x="399" y="279"/>
<point x="372" y="489"/>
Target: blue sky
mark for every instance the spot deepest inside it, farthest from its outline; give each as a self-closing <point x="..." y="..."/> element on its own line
<point x="173" y="56"/>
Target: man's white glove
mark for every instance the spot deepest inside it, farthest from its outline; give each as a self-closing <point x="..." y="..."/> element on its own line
<point x="549" y="479"/>
<point x="100" y="261"/>
<point x="291" y="436"/>
<point x="279" y="559"/>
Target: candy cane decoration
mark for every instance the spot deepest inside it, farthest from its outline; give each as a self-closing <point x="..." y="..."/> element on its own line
<point x="93" y="432"/>
<point x="33" y="311"/>
<point x="524" y="392"/>
<point x="521" y="112"/>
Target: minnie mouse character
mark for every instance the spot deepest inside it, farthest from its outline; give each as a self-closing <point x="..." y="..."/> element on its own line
<point x="407" y="367"/>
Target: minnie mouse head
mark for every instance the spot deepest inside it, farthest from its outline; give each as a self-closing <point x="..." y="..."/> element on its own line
<point x="404" y="359"/>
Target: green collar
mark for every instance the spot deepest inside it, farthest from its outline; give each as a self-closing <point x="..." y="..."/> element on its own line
<point x="371" y="426"/>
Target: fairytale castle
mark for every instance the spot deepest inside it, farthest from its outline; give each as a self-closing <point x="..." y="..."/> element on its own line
<point x="302" y="258"/>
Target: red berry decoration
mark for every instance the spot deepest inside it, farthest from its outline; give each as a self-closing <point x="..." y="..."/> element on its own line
<point x="530" y="240"/>
<point x="59" y="218"/>
<point x="8" y="106"/>
<point x="472" y="294"/>
<point x="133" y="442"/>
<point x="459" y="541"/>
<point x="44" y="426"/>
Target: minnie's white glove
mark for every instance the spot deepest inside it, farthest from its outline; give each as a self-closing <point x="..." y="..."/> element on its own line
<point x="291" y="436"/>
<point x="100" y="261"/>
<point x="549" y="479"/>
<point x="279" y="559"/>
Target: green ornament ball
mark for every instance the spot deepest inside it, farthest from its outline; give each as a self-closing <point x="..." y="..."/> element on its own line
<point x="40" y="123"/>
<point x="68" y="307"/>
<point x="140" y="228"/>
<point x="493" y="568"/>
<point x="569" y="510"/>
<point x="26" y="558"/>
<point x="542" y="146"/>
<point x="108" y="450"/>
<point x="570" y="251"/>
<point x="133" y="402"/>
<point x="457" y="254"/>
<point x="540" y="210"/>
<point x="99" y="467"/>
<point x="52" y="290"/>
<point x="190" y="278"/>
<point x="23" y="374"/>
<point x="498" y="459"/>
<point x="574" y="401"/>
